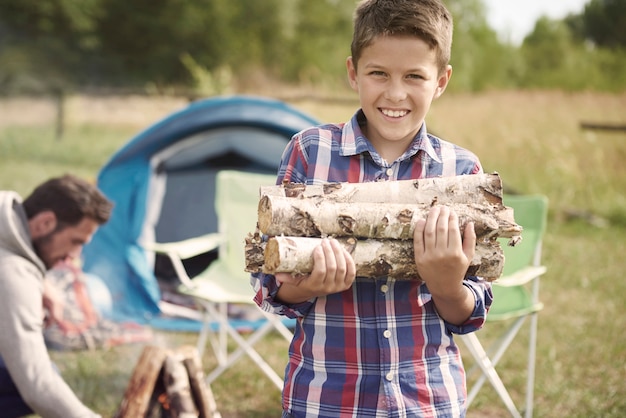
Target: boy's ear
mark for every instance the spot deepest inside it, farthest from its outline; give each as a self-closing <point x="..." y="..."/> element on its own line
<point x="42" y="224"/>
<point x="352" y="74"/>
<point x="443" y="81"/>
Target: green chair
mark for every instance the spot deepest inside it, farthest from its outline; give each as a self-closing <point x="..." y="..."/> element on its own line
<point x="225" y="283"/>
<point x="516" y="298"/>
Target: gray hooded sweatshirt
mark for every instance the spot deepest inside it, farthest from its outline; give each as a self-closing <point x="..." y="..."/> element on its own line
<point x="22" y="346"/>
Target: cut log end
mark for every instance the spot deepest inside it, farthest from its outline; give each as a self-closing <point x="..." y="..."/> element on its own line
<point x="254" y="252"/>
<point x="272" y="256"/>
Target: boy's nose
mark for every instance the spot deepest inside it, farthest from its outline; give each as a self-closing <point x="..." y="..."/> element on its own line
<point x="395" y="91"/>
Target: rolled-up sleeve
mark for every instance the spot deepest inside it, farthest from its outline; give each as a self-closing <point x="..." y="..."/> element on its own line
<point x="483" y="296"/>
<point x="266" y="287"/>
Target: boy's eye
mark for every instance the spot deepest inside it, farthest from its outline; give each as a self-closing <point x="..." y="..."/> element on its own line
<point x="377" y="73"/>
<point x="415" y="76"/>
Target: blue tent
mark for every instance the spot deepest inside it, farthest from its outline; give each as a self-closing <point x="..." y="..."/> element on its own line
<point x="162" y="185"/>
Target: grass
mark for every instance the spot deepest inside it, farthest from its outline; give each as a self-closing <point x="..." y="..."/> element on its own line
<point x="532" y="139"/>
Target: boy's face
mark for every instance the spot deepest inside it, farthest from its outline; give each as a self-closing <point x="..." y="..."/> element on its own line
<point x="397" y="80"/>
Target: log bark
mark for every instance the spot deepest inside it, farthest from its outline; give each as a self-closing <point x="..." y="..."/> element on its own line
<point x="376" y="221"/>
<point x="181" y="390"/>
<point x="142" y="383"/>
<point x="481" y="189"/>
<point x="373" y="258"/>
<point x="320" y="217"/>
<point x="254" y="252"/>
<point x="176" y="381"/>
<point x="202" y="394"/>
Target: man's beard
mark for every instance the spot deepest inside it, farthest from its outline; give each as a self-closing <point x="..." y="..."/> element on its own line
<point x="40" y="245"/>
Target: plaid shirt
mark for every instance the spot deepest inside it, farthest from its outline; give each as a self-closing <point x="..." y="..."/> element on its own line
<point x="378" y="349"/>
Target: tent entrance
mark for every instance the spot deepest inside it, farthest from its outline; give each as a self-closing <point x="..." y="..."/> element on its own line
<point x="182" y="187"/>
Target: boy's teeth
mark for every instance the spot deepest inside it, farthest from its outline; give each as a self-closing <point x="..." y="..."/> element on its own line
<point x="394" y="113"/>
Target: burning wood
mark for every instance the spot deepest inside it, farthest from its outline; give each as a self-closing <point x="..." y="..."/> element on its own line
<point x="168" y="384"/>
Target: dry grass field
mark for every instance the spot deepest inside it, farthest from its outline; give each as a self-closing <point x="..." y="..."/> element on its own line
<point x="533" y="139"/>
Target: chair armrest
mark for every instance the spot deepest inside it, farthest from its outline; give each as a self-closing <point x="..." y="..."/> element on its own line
<point x="521" y="277"/>
<point x="187" y="248"/>
<point x="182" y="250"/>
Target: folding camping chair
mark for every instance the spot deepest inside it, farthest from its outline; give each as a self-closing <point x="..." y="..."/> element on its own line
<point x="516" y="298"/>
<point x="225" y="282"/>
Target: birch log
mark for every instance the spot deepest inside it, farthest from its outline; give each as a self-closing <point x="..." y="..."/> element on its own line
<point x="376" y="221"/>
<point x="482" y="189"/>
<point x="202" y="392"/>
<point x="373" y="258"/>
<point x="178" y="388"/>
<point x="320" y="217"/>
<point x="142" y="383"/>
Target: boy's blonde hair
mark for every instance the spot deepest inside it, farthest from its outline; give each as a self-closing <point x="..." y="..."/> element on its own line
<point x="428" y="20"/>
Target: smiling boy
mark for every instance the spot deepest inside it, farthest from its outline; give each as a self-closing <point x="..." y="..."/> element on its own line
<point x="382" y="347"/>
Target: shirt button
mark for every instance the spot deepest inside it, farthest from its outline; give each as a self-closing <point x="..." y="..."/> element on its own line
<point x="384" y="288"/>
<point x="389" y="172"/>
<point x="389" y="376"/>
<point x="387" y="333"/>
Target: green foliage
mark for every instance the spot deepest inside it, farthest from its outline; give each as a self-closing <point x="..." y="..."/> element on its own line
<point x="143" y="40"/>
<point x="138" y="42"/>
<point x="53" y="45"/>
<point x="320" y="40"/>
<point x="260" y="33"/>
<point x="52" y="39"/>
<point x="547" y="54"/>
<point x="479" y="60"/>
<point x="205" y="82"/>
<point x="553" y="55"/>
<point x="605" y="23"/>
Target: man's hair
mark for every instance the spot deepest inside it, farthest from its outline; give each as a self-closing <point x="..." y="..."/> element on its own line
<point x="428" y="20"/>
<point x="71" y="199"/>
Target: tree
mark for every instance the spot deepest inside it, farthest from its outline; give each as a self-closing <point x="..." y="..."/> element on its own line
<point x="320" y="36"/>
<point x="255" y="38"/>
<point x="547" y="54"/>
<point x="52" y="40"/>
<point x="149" y="40"/>
<point x="141" y="40"/>
<point x="604" y="23"/>
<point x="478" y="58"/>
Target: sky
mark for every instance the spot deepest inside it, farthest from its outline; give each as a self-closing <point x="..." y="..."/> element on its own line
<point x="514" y="19"/>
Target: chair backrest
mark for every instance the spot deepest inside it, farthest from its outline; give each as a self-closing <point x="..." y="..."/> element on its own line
<point x="236" y="205"/>
<point x="531" y="212"/>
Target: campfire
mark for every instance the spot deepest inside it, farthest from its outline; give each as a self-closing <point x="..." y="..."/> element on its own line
<point x="168" y="384"/>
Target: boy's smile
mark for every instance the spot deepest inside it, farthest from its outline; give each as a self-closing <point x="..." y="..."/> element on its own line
<point x="397" y="79"/>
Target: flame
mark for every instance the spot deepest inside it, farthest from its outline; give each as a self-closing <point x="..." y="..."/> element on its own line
<point x="163" y="400"/>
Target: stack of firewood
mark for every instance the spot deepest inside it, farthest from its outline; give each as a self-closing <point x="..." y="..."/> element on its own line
<point x="168" y="384"/>
<point x="375" y="222"/>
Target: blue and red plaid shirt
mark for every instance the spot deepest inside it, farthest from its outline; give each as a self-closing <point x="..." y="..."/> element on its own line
<point x="378" y="349"/>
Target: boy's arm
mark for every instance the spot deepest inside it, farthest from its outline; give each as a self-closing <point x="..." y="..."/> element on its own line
<point x="442" y="258"/>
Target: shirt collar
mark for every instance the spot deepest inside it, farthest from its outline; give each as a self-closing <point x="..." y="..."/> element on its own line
<point x="354" y="142"/>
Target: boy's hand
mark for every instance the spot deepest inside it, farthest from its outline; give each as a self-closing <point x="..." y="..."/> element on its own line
<point x="442" y="258"/>
<point x="333" y="272"/>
